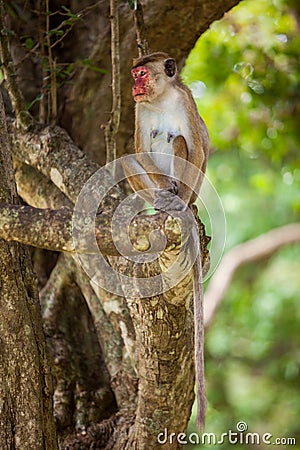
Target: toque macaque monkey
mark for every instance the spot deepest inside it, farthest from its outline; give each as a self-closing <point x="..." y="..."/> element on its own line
<point x="167" y="121"/>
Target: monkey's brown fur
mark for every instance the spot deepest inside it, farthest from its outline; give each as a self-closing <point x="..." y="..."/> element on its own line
<point x="167" y="121"/>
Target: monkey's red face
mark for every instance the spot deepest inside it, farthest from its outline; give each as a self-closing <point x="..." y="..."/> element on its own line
<point x="142" y="83"/>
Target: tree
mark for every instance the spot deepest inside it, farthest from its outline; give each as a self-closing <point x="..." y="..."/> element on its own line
<point x="26" y="386"/>
<point x="123" y="368"/>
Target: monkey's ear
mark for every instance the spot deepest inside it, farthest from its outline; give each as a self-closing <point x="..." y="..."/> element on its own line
<point x="170" y="67"/>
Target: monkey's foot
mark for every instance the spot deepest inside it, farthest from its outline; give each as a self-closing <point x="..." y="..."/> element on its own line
<point x="168" y="201"/>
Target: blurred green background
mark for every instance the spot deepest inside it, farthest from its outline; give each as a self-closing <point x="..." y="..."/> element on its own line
<point x="244" y="73"/>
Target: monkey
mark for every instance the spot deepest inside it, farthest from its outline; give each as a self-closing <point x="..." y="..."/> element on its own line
<point x="167" y="121"/>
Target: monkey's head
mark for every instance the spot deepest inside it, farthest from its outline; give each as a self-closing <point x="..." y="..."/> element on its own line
<point x="152" y="75"/>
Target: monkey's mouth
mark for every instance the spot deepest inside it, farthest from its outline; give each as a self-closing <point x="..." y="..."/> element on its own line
<point x="139" y="97"/>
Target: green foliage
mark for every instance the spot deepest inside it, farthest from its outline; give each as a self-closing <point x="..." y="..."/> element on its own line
<point x="88" y="63"/>
<point x="253" y="351"/>
<point x="245" y="72"/>
<point x="44" y="47"/>
<point x="29" y="43"/>
<point x="132" y="4"/>
<point x="245" y="75"/>
<point x="249" y="63"/>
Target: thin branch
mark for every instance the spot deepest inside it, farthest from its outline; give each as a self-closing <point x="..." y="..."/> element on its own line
<point x="141" y="30"/>
<point x="52" y="110"/>
<point x="24" y="118"/>
<point x="263" y="246"/>
<point x="79" y="15"/>
<point x="112" y="126"/>
<point x="42" y="25"/>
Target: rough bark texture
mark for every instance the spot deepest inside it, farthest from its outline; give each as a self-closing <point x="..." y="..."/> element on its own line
<point x="169" y="314"/>
<point x="123" y="367"/>
<point x="52" y="229"/>
<point x="86" y="103"/>
<point x="26" y="413"/>
<point x="165" y="345"/>
<point x="68" y="322"/>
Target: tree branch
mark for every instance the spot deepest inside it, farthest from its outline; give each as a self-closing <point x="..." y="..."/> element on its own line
<point x="37" y="190"/>
<point x="52" y="100"/>
<point x="51" y="151"/>
<point x="42" y="228"/>
<point x="263" y="246"/>
<point x="53" y="229"/>
<point x="113" y="326"/>
<point x="24" y="118"/>
<point x="74" y="388"/>
<point x="111" y="128"/>
<point x="140" y="27"/>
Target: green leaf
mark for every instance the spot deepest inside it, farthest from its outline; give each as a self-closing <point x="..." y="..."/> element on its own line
<point x="88" y="62"/>
<point x="69" y="12"/>
<point x="36" y="99"/>
<point x="132" y="4"/>
<point x="66" y="9"/>
<point x="56" y="32"/>
<point x="29" y="43"/>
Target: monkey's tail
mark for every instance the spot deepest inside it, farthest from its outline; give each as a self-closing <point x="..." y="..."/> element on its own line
<point x="199" y="333"/>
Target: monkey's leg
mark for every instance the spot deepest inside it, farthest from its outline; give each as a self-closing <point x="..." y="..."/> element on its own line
<point x="166" y="196"/>
<point x="157" y="177"/>
<point x="137" y="174"/>
<point x="180" y="150"/>
<point x="165" y="199"/>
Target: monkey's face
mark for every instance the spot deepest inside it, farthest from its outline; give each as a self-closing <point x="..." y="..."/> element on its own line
<point x="152" y="80"/>
<point x="142" y="88"/>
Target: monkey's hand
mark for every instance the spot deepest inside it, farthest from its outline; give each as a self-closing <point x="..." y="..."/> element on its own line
<point x="168" y="200"/>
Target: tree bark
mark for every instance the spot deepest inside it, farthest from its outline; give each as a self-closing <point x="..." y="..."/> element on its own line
<point x="52" y="229"/>
<point x="85" y="103"/>
<point x="26" y="413"/>
<point x="123" y="367"/>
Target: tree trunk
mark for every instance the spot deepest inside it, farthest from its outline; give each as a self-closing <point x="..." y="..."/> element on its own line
<point x="123" y="366"/>
<point x="26" y="413"/>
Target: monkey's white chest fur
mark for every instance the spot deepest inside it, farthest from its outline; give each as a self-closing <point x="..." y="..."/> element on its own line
<point x="161" y="123"/>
